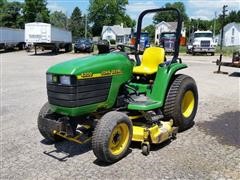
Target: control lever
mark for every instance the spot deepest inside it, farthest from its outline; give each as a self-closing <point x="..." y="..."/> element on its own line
<point x="133" y="89"/>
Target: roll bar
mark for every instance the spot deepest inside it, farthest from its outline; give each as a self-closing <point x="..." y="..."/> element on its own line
<point x="178" y="31"/>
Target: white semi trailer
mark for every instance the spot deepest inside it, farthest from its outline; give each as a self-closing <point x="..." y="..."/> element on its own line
<point x="11" y="38"/>
<point x="46" y="36"/>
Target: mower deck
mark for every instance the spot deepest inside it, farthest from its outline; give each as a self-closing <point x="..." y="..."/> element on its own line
<point x="142" y="132"/>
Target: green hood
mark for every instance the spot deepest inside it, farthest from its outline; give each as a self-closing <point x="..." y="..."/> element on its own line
<point x="94" y="64"/>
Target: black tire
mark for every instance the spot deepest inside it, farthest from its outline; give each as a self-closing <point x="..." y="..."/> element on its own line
<point x="181" y="86"/>
<point x="43" y="127"/>
<point x="68" y="48"/>
<point x="212" y="54"/>
<point x="103" y="134"/>
<point x="55" y="50"/>
<point x="21" y="46"/>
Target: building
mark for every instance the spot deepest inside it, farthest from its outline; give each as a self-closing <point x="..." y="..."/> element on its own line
<point x="118" y="33"/>
<point x="167" y="27"/>
<point x="231" y="35"/>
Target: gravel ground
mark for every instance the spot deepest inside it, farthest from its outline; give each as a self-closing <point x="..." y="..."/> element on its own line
<point x="209" y="150"/>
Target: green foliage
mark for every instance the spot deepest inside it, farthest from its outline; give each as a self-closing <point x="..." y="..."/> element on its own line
<point x="171" y="16"/>
<point x="10" y="14"/>
<point x="36" y="10"/>
<point x="128" y="22"/>
<point x="76" y="23"/>
<point x="151" y="30"/>
<point x="58" y="19"/>
<point x="233" y="16"/>
<point x="108" y="12"/>
<point x="198" y="24"/>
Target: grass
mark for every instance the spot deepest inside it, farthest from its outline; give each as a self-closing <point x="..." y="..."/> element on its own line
<point x="227" y="51"/>
<point x="182" y="49"/>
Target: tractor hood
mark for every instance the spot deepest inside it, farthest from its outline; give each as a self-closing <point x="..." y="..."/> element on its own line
<point x="94" y="64"/>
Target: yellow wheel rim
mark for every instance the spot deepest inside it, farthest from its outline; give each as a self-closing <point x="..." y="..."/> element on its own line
<point x="188" y="103"/>
<point x="119" y="139"/>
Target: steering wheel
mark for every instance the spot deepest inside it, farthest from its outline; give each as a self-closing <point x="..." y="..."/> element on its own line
<point x="121" y="47"/>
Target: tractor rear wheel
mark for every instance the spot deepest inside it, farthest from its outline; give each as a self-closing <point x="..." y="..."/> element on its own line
<point x="181" y="102"/>
<point x="43" y="126"/>
<point x="112" y="137"/>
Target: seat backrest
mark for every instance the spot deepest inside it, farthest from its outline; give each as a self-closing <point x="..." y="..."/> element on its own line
<point x="152" y="57"/>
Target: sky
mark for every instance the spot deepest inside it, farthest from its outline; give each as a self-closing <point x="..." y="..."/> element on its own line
<point x="203" y="9"/>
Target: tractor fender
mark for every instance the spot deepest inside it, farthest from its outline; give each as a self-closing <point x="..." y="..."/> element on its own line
<point x="163" y="80"/>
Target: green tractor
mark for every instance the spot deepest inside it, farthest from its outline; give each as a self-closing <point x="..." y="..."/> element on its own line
<point x="111" y="100"/>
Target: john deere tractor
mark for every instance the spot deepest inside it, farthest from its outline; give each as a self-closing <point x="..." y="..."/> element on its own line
<point x="111" y="99"/>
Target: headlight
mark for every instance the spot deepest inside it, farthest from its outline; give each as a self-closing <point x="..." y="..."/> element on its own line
<point x="65" y="80"/>
<point x="49" y="78"/>
<point x="52" y="78"/>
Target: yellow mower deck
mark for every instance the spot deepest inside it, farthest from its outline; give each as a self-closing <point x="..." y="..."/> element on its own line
<point x="155" y="134"/>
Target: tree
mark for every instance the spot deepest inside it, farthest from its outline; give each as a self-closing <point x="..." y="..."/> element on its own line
<point x="151" y="30"/>
<point x="58" y="19"/>
<point x="10" y="14"/>
<point x="171" y="16"/>
<point x="108" y="12"/>
<point x="76" y="24"/>
<point x="233" y="16"/>
<point x="128" y="22"/>
<point x="36" y="10"/>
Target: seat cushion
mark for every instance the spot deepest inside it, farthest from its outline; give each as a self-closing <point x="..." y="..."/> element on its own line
<point x="144" y="70"/>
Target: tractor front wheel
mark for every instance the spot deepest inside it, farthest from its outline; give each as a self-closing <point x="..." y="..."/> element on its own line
<point x="112" y="137"/>
<point x="44" y="125"/>
<point x="181" y="102"/>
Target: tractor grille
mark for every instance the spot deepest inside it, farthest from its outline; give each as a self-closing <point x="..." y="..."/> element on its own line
<point x="85" y="92"/>
<point x="205" y="44"/>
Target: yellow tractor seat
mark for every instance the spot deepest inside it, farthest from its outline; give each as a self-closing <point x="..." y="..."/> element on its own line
<point x="152" y="57"/>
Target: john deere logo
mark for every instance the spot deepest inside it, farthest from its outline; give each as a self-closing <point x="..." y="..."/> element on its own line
<point x="97" y="75"/>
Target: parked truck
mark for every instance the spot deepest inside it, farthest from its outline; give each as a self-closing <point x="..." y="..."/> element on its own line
<point x="46" y="36"/>
<point x="167" y="41"/>
<point x="201" y="42"/>
<point x="11" y="38"/>
<point x="144" y="41"/>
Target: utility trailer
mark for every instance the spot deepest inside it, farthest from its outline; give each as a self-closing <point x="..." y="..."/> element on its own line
<point x="46" y="36"/>
<point x="11" y="38"/>
<point x="235" y="60"/>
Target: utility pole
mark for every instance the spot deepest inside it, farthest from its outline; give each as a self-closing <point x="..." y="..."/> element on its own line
<point x="86" y="26"/>
<point x="219" y="62"/>
<point x="223" y="19"/>
<point x="198" y="23"/>
<point x="214" y="24"/>
<point x="189" y="31"/>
